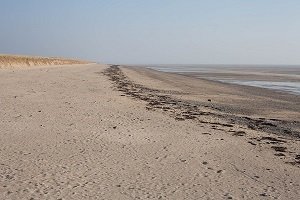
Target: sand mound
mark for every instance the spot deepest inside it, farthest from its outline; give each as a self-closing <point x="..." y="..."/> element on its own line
<point x="14" y="61"/>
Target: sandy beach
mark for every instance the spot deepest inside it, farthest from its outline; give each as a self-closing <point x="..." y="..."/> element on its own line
<point x="92" y="131"/>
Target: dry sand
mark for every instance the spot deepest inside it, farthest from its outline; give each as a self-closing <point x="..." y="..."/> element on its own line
<point x="89" y="132"/>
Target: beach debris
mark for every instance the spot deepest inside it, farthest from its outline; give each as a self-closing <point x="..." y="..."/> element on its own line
<point x="179" y="118"/>
<point x="272" y="139"/>
<point x="239" y="133"/>
<point x="279" y="149"/>
<point x="252" y="143"/>
<point x="263" y="194"/>
<point x="279" y="154"/>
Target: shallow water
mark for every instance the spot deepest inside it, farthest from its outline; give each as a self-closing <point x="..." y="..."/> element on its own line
<point x="280" y="78"/>
<point x="290" y="87"/>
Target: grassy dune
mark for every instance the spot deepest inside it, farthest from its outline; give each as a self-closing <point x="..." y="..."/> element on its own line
<point x="14" y="61"/>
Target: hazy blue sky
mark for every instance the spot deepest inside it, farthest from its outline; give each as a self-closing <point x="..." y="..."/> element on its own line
<point x="154" y="31"/>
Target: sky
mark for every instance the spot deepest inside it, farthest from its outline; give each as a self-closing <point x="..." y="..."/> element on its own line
<point x="154" y="31"/>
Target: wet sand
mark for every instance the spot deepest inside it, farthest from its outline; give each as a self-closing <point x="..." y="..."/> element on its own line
<point x="289" y="73"/>
<point x="101" y="132"/>
<point x="225" y="97"/>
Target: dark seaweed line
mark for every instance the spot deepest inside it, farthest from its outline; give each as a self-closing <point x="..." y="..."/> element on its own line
<point x="184" y="110"/>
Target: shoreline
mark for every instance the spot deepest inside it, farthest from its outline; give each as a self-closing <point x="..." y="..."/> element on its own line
<point x="270" y="77"/>
<point x="278" y="85"/>
<point x="228" y="96"/>
<point x="125" y="85"/>
<point x="167" y="101"/>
